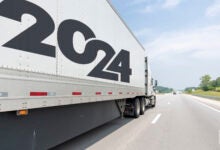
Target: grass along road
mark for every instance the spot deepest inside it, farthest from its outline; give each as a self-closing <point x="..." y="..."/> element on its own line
<point x="207" y="94"/>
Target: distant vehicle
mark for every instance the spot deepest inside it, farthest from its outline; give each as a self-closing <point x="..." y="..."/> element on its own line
<point x="66" y="67"/>
<point x="174" y="93"/>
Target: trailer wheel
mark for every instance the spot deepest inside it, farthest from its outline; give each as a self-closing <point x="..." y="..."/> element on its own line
<point x="142" y="106"/>
<point x="153" y="102"/>
<point x="136" y="108"/>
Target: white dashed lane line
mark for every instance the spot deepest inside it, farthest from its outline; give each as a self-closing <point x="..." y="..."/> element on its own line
<point x="156" y="119"/>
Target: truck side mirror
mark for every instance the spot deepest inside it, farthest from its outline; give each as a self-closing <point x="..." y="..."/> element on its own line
<point x="156" y="83"/>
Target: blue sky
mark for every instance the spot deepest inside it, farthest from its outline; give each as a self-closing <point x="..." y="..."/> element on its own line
<point x="181" y="37"/>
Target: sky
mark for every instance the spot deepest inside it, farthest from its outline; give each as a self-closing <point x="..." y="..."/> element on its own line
<point x="181" y="37"/>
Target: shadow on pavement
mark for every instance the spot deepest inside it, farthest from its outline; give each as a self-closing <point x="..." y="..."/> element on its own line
<point x="89" y="138"/>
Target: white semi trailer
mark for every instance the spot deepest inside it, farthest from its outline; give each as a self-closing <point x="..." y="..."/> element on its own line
<point x="66" y="66"/>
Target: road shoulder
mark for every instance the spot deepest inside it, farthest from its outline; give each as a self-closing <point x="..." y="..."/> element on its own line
<point x="210" y="102"/>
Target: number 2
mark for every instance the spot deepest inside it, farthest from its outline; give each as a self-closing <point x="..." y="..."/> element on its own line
<point x="29" y="40"/>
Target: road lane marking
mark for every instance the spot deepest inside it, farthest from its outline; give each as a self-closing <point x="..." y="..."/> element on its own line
<point x="156" y="119"/>
<point x="209" y="107"/>
<point x="219" y="137"/>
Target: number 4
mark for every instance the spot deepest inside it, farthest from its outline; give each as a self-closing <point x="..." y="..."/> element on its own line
<point x="121" y="64"/>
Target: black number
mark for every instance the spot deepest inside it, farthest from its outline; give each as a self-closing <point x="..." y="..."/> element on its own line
<point x="65" y="35"/>
<point x="94" y="46"/>
<point x="29" y="40"/>
<point x="121" y="64"/>
<point x="65" y="41"/>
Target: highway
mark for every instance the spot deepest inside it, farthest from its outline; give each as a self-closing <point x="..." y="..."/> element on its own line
<point x="179" y="122"/>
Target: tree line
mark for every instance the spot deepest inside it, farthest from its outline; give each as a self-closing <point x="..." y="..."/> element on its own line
<point x="207" y="84"/>
<point x="162" y="89"/>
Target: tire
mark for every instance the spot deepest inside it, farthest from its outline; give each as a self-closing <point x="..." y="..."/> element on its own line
<point x="153" y="102"/>
<point x="136" y="108"/>
<point x="142" y="106"/>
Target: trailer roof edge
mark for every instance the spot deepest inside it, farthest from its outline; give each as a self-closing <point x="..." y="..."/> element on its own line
<point x="125" y="24"/>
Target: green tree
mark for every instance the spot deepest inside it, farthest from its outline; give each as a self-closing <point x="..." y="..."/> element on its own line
<point x="162" y="89"/>
<point x="213" y="83"/>
<point x="190" y="89"/>
<point x="218" y="82"/>
<point x="205" y="82"/>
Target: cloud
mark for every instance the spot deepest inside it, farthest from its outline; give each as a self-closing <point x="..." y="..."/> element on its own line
<point x="214" y="9"/>
<point x="201" y="43"/>
<point x="179" y="58"/>
<point x="171" y="3"/>
<point x="147" y="9"/>
<point x="143" y="33"/>
<point x="146" y="34"/>
<point x="136" y="2"/>
<point x="158" y="5"/>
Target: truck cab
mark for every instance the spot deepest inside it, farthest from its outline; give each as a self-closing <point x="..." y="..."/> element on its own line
<point x="150" y="85"/>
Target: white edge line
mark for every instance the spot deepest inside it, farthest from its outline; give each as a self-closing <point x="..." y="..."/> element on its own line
<point x="209" y="107"/>
<point x="156" y="119"/>
<point x="219" y="137"/>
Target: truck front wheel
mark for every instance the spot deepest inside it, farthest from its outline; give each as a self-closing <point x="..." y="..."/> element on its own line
<point x="153" y="101"/>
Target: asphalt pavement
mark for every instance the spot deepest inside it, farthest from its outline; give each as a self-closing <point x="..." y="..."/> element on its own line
<point x="179" y="122"/>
